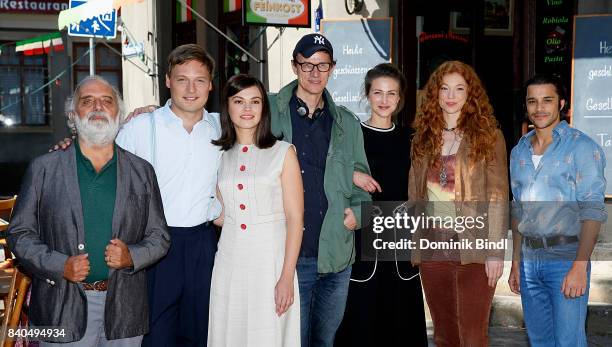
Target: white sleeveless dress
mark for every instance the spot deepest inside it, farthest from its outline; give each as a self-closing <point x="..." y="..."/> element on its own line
<point x="251" y="252"/>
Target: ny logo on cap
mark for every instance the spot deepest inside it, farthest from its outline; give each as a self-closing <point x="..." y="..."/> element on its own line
<point x="319" y="40"/>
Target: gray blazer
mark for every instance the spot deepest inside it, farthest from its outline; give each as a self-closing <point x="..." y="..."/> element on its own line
<point x="47" y="228"/>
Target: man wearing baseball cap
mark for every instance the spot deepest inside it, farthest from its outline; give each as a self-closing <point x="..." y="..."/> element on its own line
<point x="329" y="144"/>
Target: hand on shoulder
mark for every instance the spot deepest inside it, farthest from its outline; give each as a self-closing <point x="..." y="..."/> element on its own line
<point x="140" y="110"/>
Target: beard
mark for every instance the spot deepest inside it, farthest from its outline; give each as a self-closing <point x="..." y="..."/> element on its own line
<point x="97" y="132"/>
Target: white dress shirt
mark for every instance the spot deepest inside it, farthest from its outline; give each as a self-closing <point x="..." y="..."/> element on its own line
<point x="185" y="163"/>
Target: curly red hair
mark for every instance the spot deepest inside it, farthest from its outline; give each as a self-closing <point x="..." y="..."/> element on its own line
<point x="477" y="121"/>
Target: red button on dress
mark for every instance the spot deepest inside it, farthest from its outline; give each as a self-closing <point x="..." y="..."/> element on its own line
<point x="240" y="186"/>
<point x="242" y="207"/>
<point x="242" y="167"/>
<point x="245" y="149"/>
<point x="243" y="226"/>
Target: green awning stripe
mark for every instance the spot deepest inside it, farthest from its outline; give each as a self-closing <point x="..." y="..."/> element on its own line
<point x="39" y="39"/>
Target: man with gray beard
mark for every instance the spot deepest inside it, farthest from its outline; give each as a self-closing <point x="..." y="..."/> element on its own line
<point x="87" y="222"/>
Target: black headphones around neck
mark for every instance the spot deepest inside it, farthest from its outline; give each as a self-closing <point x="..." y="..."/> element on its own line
<point x="303" y="111"/>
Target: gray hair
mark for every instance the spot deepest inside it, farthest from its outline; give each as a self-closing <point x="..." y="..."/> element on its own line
<point x="70" y="104"/>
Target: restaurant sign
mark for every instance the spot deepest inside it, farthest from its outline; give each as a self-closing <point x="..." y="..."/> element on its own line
<point x="33" y="6"/>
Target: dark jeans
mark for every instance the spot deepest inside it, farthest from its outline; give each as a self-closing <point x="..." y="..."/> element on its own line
<point x="322" y="302"/>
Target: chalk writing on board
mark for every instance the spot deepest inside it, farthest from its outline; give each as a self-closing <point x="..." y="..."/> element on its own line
<point x="592" y="83"/>
<point x="359" y="45"/>
<point x="605" y="140"/>
<point x="603" y="72"/>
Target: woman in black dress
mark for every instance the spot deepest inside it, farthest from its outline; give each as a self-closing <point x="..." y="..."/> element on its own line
<point x="385" y="300"/>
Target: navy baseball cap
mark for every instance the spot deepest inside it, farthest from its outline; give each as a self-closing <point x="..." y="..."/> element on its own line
<point x="312" y="43"/>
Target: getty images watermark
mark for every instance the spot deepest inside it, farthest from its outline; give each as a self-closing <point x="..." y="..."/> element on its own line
<point x="457" y="224"/>
<point x="396" y="229"/>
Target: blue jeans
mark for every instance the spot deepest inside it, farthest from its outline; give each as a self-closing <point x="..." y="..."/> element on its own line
<point x="551" y="319"/>
<point x="322" y="302"/>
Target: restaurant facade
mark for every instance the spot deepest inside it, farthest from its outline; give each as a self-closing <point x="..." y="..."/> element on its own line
<point x="506" y="41"/>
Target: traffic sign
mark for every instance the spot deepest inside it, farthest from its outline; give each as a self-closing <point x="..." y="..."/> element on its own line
<point x="99" y="25"/>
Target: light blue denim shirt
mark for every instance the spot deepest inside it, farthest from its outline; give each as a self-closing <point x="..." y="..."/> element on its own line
<point x="566" y="188"/>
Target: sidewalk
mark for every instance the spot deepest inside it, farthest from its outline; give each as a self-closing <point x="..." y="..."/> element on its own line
<point x="498" y="337"/>
<point x="517" y="337"/>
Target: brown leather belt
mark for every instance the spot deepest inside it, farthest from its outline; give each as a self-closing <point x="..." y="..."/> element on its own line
<point x="99" y="286"/>
<point x="546" y="242"/>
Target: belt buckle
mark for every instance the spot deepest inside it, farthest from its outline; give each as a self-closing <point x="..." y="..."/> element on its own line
<point x="536" y="242"/>
<point x="98" y="286"/>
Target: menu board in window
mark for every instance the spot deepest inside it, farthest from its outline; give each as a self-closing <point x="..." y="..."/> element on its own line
<point x="554" y="38"/>
<point x="592" y="83"/>
<point x="359" y="45"/>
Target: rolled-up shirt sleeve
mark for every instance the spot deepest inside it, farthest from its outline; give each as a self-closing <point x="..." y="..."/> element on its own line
<point x="590" y="163"/>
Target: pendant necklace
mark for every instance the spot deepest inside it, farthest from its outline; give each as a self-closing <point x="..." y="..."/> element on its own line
<point x="443" y="161"/>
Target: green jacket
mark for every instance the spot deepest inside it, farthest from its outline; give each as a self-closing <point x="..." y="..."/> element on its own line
<point x="345" y="154"/>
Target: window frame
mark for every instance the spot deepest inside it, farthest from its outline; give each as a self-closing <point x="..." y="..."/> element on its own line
<point x="84" y="65"/>
<point x="20" y="67"/>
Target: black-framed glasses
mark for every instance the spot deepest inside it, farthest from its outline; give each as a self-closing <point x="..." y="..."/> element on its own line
<point x="308" y="67"/>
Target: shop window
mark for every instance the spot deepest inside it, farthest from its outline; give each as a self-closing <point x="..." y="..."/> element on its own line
<point x="184" y="25"/>
<point x="108" y="63"/>
<point x="236" y="62"/>
<point x="184" y="33"/>
<point x="232" y="61"/>
<point x="23" y="100"/>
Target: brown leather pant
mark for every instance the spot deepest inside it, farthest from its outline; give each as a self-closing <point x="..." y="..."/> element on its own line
<point x="459" y="300"/>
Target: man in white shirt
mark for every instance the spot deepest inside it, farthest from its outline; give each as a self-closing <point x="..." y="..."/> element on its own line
<point x="176" y="140"/>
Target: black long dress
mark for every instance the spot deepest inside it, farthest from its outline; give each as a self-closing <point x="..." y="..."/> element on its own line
<point x="385" y="310"/>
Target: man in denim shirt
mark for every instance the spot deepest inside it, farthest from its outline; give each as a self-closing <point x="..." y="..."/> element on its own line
<point x="557" y="179"/>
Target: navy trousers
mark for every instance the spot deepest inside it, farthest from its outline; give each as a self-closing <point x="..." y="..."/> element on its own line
<point x="179" y="289"/>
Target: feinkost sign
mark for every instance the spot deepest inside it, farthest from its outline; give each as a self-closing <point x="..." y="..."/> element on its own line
<point x="292" y="13"/>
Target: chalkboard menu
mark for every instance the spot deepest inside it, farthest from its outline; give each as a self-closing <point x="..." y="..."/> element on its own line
<point x="592" y="82"/>
<point x="359" y="45"/>
<point x="554" y="27"/>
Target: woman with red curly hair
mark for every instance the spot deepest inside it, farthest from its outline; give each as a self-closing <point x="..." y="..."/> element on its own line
<point x="459" y="173"/>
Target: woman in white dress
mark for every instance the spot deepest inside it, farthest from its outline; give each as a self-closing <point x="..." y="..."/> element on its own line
<point x="254" y="298"/>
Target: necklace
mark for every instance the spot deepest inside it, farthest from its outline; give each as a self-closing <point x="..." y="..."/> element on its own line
<point x="449" y="129"/>
<point x="443" y="161"/>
